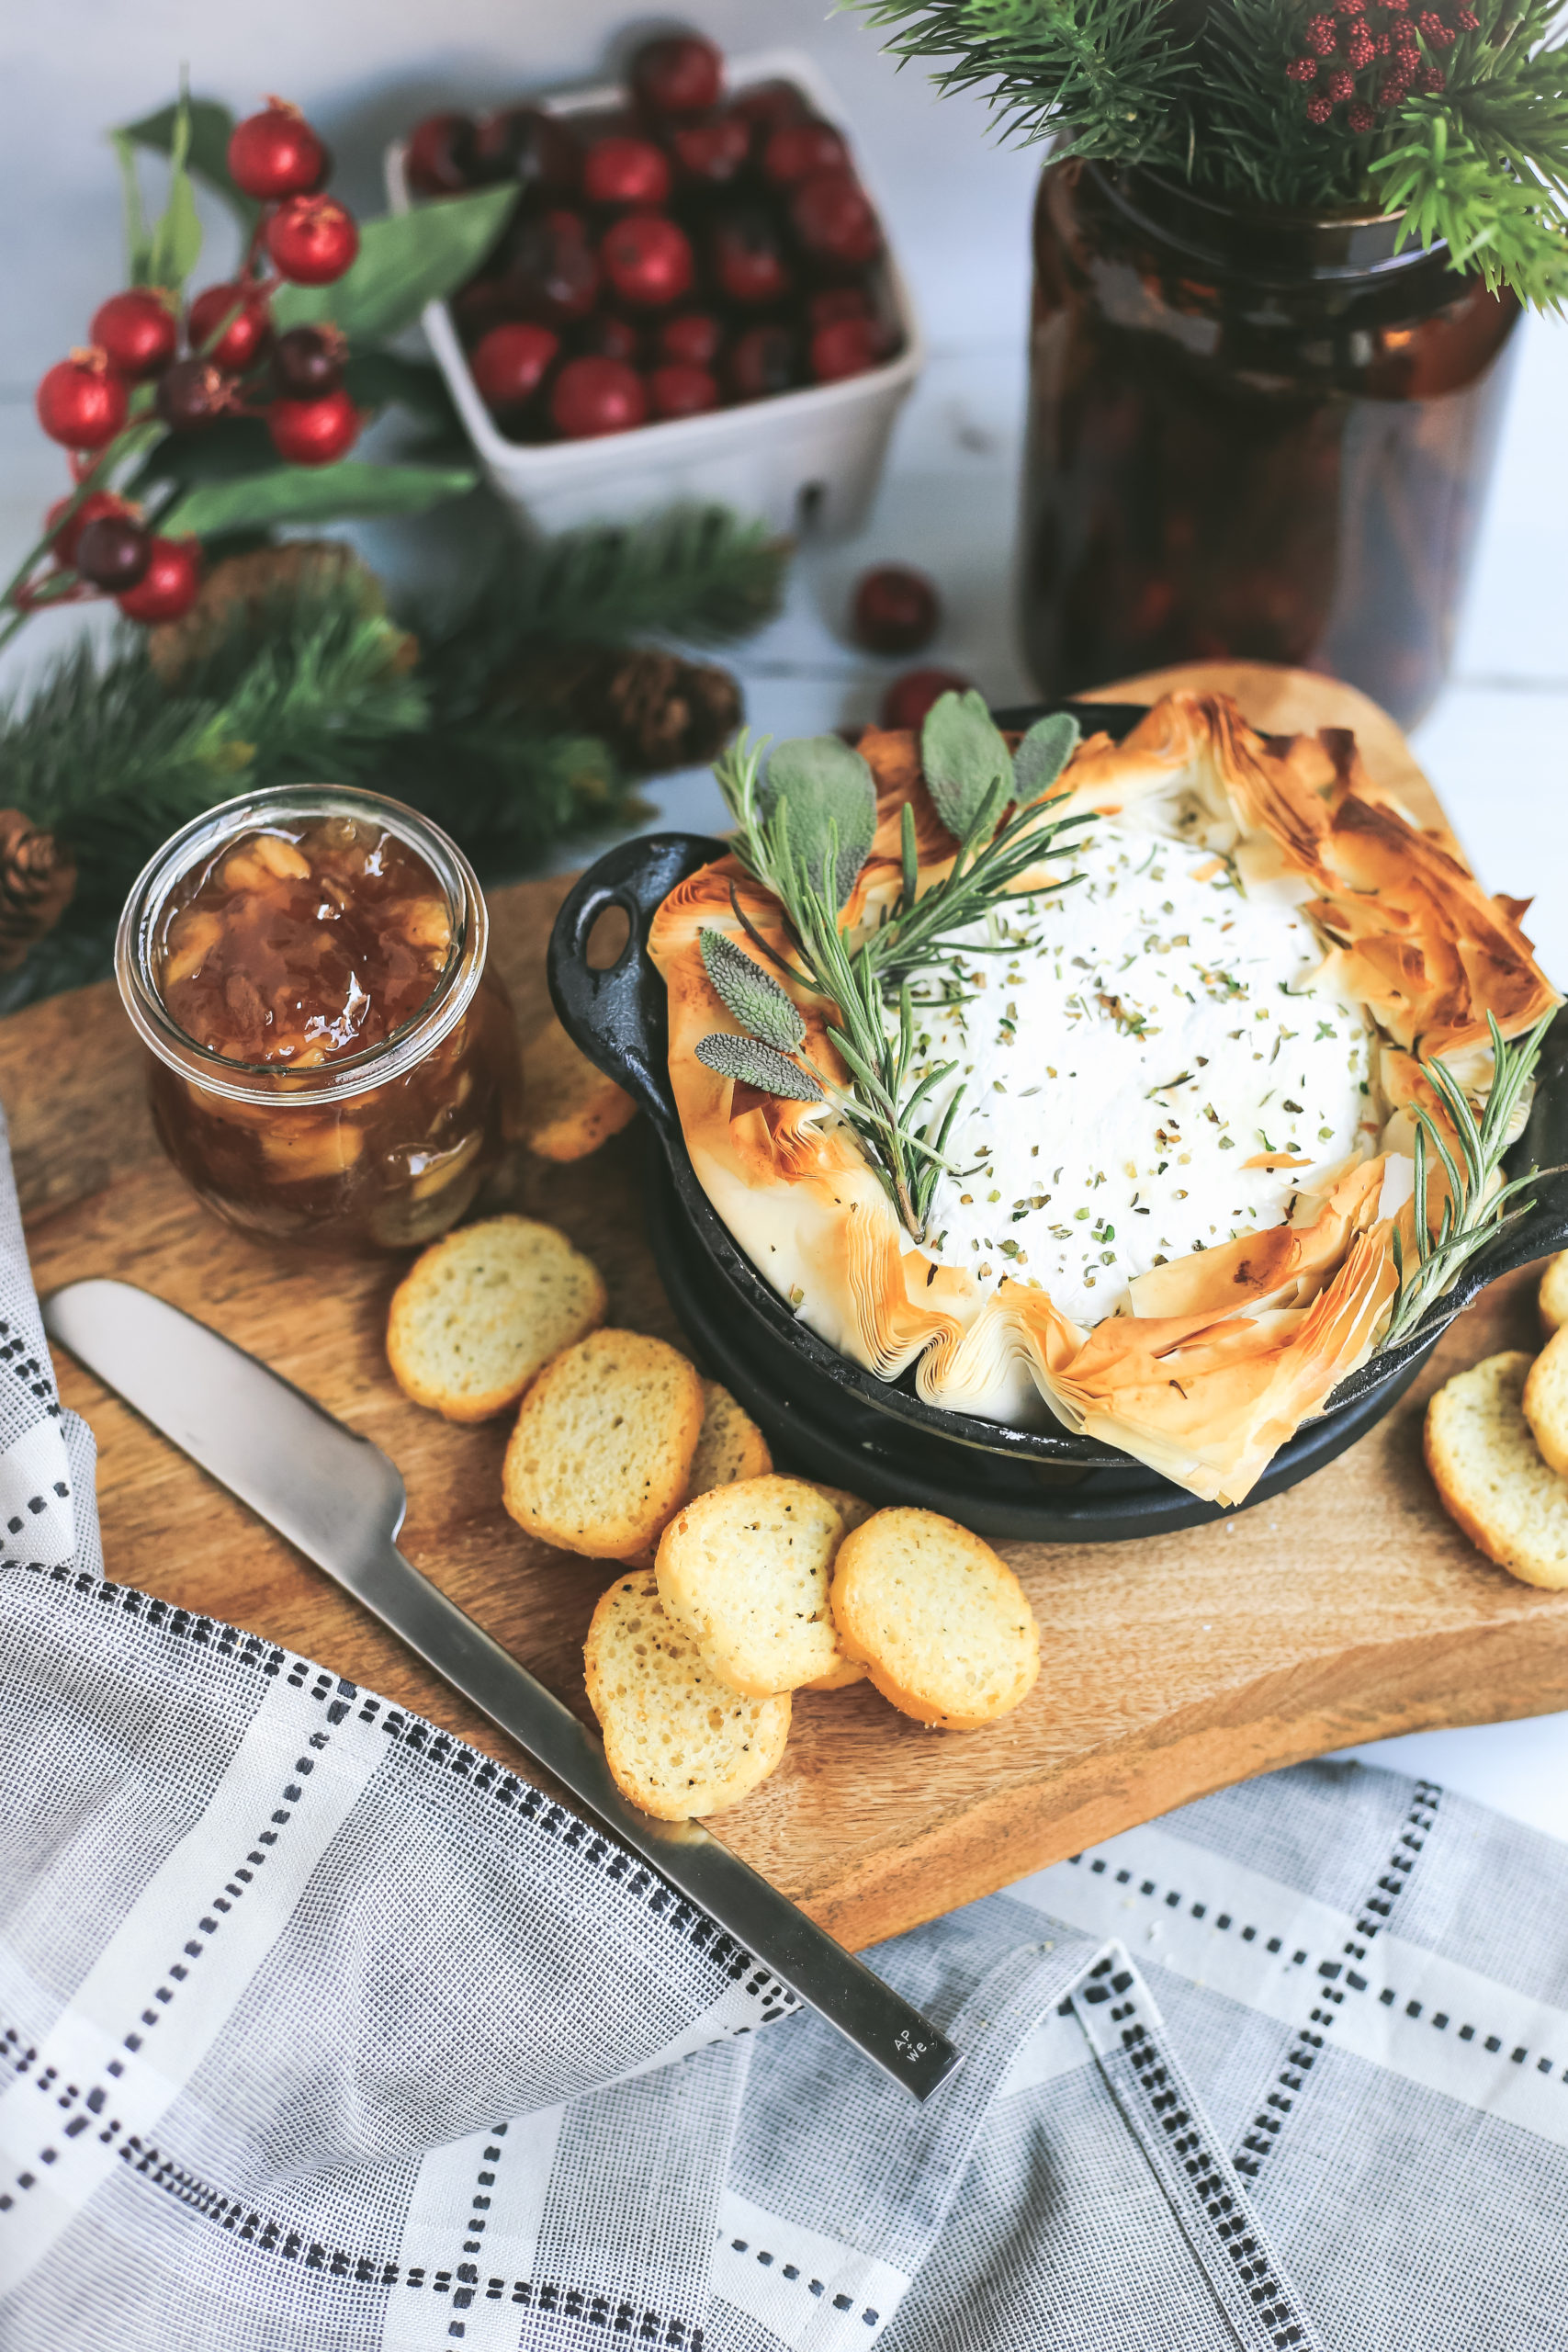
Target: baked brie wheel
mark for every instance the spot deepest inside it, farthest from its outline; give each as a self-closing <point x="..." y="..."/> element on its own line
<point x="1174" y="1072"/>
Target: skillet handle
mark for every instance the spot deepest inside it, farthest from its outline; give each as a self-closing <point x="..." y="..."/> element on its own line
<point x="617" y="1016"/>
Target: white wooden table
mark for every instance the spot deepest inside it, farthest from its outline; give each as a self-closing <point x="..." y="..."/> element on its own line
<point x="1496" y="745"/>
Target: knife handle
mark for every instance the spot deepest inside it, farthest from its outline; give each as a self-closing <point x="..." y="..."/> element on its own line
<point x="866" y="2011"/>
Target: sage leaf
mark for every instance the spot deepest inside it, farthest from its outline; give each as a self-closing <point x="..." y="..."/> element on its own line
<point x="965" y="761"/>
<point x="826" y="788"/>
<point x="753" y="995"/>
<point x="1044" y="753"/>
<point x="757" y="1064"/>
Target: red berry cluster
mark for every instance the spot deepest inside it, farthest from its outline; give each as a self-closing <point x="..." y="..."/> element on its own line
<point x="1370" y="55"/>
<point x="687" y="252"/>
<point x="233" y="364"/>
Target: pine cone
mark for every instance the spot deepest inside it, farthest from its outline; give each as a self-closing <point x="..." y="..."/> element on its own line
<point x="297" y="567"/>
<point x="37" y="879"/>
<point x="654" y="710"/>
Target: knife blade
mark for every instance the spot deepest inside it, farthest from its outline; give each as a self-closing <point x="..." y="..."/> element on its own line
<point x="337" y="1499"/>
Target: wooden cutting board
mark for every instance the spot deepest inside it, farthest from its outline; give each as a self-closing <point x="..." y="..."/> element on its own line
<point x="1348" y="1608"/>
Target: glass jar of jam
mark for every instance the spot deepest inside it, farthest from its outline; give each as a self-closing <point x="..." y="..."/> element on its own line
<point x="332" y="1061"/>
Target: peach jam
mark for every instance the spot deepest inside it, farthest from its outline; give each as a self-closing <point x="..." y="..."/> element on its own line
<point x="331" y="1060"/>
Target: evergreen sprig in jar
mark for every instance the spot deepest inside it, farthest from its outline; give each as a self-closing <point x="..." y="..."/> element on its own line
<point x="332" y="1061"/>
<point x="1252" y="434"/>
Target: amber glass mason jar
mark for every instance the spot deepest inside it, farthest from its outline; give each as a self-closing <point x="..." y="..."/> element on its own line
<point x="1251" y="435"/>
<point x="361" y="1150"/>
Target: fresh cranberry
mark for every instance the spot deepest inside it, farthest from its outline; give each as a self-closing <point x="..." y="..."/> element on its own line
<point x="550" y="271"/>
<point x="747" y="260"/>
<point x="845" y="347"/>
<point x="711" y="153"/>
<point x="767" y="106"/>
<point x="136" y="331"/>
<point x="242" y="314"/>
<point x="681" y="74"/>
<point x="314" y="432"/>
<point x="895" y="610"/>
<point x="597" y="396"/>
<point x="625" y="170"/>
<point x="693" y="338"/>
<point x="908" y="698"/>
<point x="797" y="148"/>
<point x="678" y="390"/>
<point x="605" y="336"/>
<point x="647" y="260"/>
<point x="276" y="154"/>
<point x="443" y="155"/>
<point x="512" y="362"/>
<point x="538" y="150"/>
<point x="169" y="586"/>
<point x="834" y="221"/>
<point x="762" y="361"/>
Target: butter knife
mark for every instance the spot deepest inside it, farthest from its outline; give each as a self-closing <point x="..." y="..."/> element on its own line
<point x="338" y="1499"/>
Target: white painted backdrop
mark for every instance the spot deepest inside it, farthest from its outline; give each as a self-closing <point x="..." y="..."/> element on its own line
<point x="1496" y="745"/>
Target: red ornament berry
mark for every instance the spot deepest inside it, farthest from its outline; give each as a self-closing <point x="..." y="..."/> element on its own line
<point x="678" y="75"/>
<point x="843" y="347"/>
<point x="63" y="531"/>
<point x="193" y="394"/>
<point x="549" y="270"/>
<point x="834" y="220"/>
<point x="597" y="396"/>
<point x="538" y="150"/>
<point x="693" y="339"/>
<point x="748" y="259"/>
<point x="113" y="552"/>
<point x="313" y="433"/>
<point x="1341" y="85"/>
<point x="242" y="314"/>
<point x="798" y="149"/>
<point x="1318" y="109"/>
<point x="1360" y="48"/>
<point x="711" y="153"/>
<point x="908" y="698"/>
<point x="137" y="333"/>
<point x="647" y="260"/>
<point x="512" y="361"/>
<point x="763" y="361"/>
<point x="313" y="240"/>
<point x="307" y="361"/>
<point x="1321" y="35"/>
<point x="895" y="610"/>
<point x="625" y="170"/>
<point x="82" y="402"/>
<point x="1361" y="118"/>
<point x="169" y="586"/>
<point x="679" y="390"/>
<point x="276" y="154"/>
<point x="442" y="157"/>
<point x="1301" y="69"/>
<point x="604" y="336"/>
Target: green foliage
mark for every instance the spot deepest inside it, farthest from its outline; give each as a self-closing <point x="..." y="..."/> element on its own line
<point x="206" y="152"/>
<point x="966" y="764"/>
<point x="404" y="261"/>
<point x="753" y="995"/>
<point x="312" y="494"/>
<point x="817" y="805"/>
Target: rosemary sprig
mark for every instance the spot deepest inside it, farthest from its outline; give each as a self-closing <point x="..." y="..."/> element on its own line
<point x="804" y="830"/>
<point x="1473" y="1213"/>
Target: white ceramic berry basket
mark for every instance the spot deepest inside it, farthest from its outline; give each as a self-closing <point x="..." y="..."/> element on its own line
<point x="807" y="460"/>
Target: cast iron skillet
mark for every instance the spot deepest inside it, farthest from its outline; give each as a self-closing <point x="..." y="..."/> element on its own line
<point x="828" y="1417"/>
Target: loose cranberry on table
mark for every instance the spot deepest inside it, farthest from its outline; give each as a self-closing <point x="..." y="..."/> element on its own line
<point x="307" y="361"/>
<point x="908" y="698"/>
<point x="81" y="402"/>
<point x="443" y="155"/>
<point x="833" y="219"/>
<point x="711" y="154"/>
<point x="313" y="240"/>
<point x="597" y="396"/>
<point x="692" y="337"/>
<point x="550" y="270"/>
<point x="762" y="361"/>
<point x="510" y="362"/>
<point x="169" y="586"/>
<point x="538" y="150"/>
<point x="113" y="552"/>
<point x="276" y="153"/>
<point x="647" y="260"/>
<point x="136" y="331"/>
<point x="680" y="75"/>
<point x="746" y="257"/>
<point x="313" y="433"/>
<point x="625" y="170"/>
<point x="242" y="314"/>
<point x="679" y="390"/>
<point x="895" y="610"/>
<point x="797" y="148"/>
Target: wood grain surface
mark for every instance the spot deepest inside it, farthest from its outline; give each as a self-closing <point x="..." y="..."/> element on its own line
<point x="1346" y="1610"/>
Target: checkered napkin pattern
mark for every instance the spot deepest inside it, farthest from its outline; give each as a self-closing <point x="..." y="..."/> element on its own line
<point x="320" y="2032"/>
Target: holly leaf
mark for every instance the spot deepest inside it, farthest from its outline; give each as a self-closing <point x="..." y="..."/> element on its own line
<point x="312" y="494"/>
<point x="405" y="261"/>
<point x="831" y="797"/>
<point x="967" y="769"/>
<point x="757" y="1064"/>
<point x="753" y="995"/>
<point x="1044" y="753"/>
<point x="212" y="127"/>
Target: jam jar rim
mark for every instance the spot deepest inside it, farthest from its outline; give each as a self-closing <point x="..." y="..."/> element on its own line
<point x="396" y="1054"/>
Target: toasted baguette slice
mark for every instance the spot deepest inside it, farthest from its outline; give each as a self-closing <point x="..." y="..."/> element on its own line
<point x="569" y="1107"/>
<point x="1554" y="1293"/>
<point x="744" y="1571"/>
<point x="854" y="1513"/>
<point x="1545" y="1403"/>
<point x="603" y="1444"/>
<point x="730" y="1447"/>
<point x="678" y="1743"/>
<point x="944" y="1625"/>
<point x="480" y="1312"/>
<point x="1489" y="1476"/>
